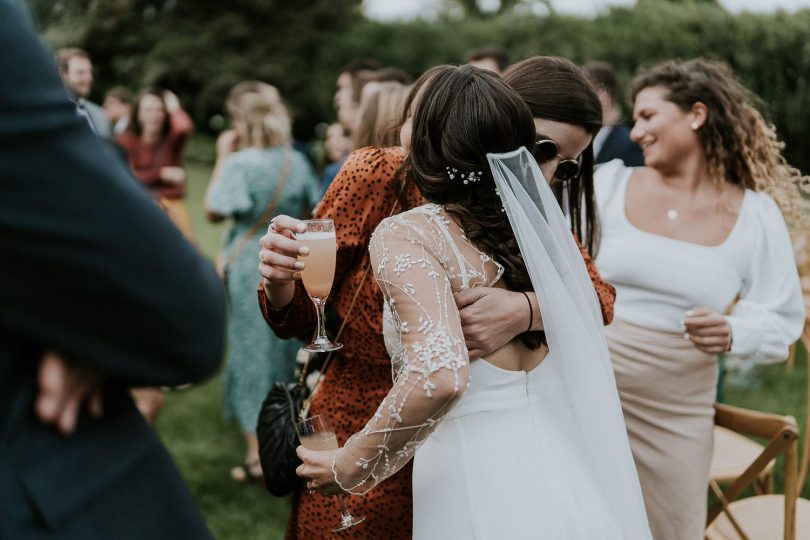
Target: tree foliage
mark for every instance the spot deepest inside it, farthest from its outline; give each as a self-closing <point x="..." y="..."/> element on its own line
<point x="200" y="48"/>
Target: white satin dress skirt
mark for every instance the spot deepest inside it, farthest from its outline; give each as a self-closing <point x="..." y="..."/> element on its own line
<point x="505" y="463"/>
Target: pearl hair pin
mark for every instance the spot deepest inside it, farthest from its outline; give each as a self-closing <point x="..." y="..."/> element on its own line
<point x="466" y="177"/>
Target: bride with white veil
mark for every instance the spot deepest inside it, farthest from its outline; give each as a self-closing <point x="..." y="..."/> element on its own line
<point x="528" y="442"/>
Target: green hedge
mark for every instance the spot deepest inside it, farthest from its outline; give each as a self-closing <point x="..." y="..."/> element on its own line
<point x="200" y="48"/>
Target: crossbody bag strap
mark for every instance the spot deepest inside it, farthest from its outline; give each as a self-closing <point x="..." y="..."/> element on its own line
<point x="266" y="215"/>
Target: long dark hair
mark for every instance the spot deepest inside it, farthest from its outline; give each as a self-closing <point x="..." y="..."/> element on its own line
<point x="460" y="115"/>
<point x="134" y="124"/>
<point x="558" y="90"/>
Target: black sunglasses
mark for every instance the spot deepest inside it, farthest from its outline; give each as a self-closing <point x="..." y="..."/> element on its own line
<point x="545" y="150"/>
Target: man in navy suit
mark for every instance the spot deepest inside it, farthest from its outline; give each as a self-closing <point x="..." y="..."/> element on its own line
<point x="613" y="140"/>
<point x="94" y="272"/>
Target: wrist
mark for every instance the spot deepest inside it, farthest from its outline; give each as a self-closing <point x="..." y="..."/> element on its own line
<point x="529" y="310"/>
<point x="278" y="294"/>
<point x="537" y="315"/>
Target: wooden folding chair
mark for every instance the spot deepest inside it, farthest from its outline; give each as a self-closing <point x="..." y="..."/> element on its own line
<point x="734" y="452"/>
<point x="764" y="516"/>
<point x="760" y="516"/>
<point x="732" y="455"/>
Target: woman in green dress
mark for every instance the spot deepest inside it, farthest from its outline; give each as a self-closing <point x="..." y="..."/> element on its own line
<point x="256" y="170"/>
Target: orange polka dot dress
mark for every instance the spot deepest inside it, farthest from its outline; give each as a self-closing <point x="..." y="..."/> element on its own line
<point x="359" y="377"/>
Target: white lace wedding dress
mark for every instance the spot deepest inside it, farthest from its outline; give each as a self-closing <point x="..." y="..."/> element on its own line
<point x="501" y="453"/>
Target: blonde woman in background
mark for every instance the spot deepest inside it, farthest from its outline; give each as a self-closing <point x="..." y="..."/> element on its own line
<point x="378" y="115"/>
<point x="251" y="161"/>
<point x="700" y="226"/>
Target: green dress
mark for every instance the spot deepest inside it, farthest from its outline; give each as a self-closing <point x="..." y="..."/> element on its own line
<point x="256" y="358"/>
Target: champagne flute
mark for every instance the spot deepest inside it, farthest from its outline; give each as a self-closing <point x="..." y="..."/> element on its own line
<point x="317" y="433"/>
<point x="318" y="274"/>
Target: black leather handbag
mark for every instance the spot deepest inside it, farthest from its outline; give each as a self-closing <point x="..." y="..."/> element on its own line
<point x="278" y="440"/>
<point x="286" y="404"/>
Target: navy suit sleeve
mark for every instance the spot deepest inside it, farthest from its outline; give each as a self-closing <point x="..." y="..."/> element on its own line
<point x="619" y="145"/>
<point x="88" y="264"/>
<point x="633" y="155"/>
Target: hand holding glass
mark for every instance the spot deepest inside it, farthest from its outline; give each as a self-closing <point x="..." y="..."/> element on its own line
<point x="318" y="274"/>
<point x="316" y="433"/>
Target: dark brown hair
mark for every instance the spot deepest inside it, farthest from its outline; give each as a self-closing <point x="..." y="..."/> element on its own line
<point x="494" y="53"/>
<point x="393" y="74"/>
<point x="740" y="146"/>
<point x="558" y="90"/>
<point x="603" y="76"/>
<point x="462" y="114"/>
<point x="120" y="93"/>
<point x="134" y="124"/>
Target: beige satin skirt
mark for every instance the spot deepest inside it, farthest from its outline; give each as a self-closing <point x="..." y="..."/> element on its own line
<point x="667" y="389"/>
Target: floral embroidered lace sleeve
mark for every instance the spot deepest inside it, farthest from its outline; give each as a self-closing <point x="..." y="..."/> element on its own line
<point x="410" y="256"/>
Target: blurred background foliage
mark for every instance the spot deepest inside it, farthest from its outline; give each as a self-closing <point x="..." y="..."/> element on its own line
<point x="200" y="48"/>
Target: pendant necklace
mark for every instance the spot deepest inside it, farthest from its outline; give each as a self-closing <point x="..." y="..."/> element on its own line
<point x="672" y="214"/>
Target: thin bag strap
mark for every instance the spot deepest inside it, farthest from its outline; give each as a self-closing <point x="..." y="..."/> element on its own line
<point x="266" y="215"/>
<point x="302" y="378"/>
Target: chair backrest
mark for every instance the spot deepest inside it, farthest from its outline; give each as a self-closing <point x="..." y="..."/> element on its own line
<point x="783" y="434"/>
<point x="805" y="460"/>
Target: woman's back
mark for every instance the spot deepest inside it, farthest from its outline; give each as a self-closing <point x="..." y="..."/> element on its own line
<point x="507" y="442"/>
<point x="251" y="177"/>
<point x="466" y="267"/>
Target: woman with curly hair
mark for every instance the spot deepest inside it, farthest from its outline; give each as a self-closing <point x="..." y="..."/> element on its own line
<point x="697" y="248"/>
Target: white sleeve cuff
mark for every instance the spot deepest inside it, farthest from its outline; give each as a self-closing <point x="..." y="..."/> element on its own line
<point x="745" y="336"/>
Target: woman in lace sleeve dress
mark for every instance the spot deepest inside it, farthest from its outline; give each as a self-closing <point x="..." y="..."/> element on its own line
<point x="497" y="451"/>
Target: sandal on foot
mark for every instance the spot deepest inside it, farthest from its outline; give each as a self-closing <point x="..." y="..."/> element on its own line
<point x="246" y="472"/>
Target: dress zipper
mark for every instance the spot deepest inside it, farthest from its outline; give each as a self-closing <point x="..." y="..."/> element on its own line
<point x="527" y="385"/>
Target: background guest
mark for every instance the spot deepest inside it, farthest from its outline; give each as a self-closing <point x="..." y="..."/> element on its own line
<point x="118" y="108"/>
<point x="349" y="85"/>
<point x="338" y="145"/>
<point x="613" y="140"/>
<point x="154" y="141"/>
<point x="378" y="116"/>
<point x="492" y="58"/>
<point x="260" y="175"/>
<point x="76" y="71"/>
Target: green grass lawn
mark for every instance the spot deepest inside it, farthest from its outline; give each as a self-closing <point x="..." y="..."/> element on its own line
<point x="205" y="447"/>
<point x="203" y="444"/>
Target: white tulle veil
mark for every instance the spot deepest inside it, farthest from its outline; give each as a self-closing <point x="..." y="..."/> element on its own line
<point x="574" y="330"/>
